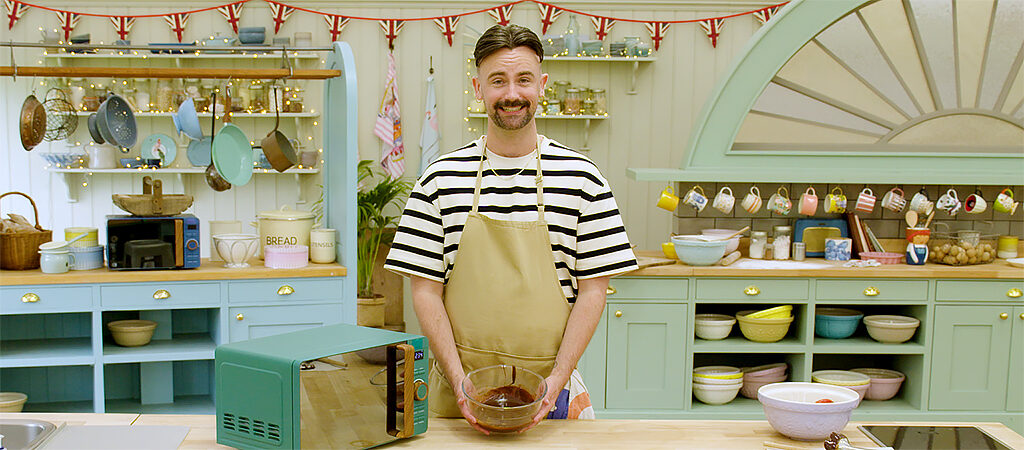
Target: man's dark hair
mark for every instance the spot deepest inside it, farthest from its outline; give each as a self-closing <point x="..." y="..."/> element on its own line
<point x="506" y="36"/>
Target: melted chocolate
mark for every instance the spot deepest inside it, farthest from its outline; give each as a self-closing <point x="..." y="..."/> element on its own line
<point x="507" y="397"/>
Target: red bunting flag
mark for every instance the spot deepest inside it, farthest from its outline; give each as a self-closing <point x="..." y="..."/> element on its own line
<point x="712" y="27"/>
<point x="658" y="30"/>
<point x="122" y="25"/>
<point x="232" y="13"/>
<point x="177" y="23"/>
<point x="391" y="29"/>
<point x="15" y="10"/>
<point x="68" y="21"/>
<point x="502" y="14"/>
<point x="447" y="26"/>
<point x="766" y="14"/>
<point x="281" y="13"/>
<point x="548" y="15"/>
<point x="602" y="25"/>
<point x="335" y="24"/>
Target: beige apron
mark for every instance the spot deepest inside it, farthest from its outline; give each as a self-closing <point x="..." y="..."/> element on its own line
<point x="503" y="299"/>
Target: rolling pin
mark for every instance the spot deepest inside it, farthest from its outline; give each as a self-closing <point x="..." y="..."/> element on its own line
<point x="730" y="258"/>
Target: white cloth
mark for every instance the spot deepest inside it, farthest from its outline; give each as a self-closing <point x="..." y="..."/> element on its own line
<point x="430" y="135"/>
<point x="388" y="126"/>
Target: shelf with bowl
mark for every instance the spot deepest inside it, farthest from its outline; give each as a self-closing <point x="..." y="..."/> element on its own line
<point x="859" y="344"/>
<point x="188" y="346"/>
<point x="739" y="344"/>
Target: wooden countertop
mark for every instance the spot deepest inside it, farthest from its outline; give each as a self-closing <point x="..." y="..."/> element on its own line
<point x="999" y="269"/>
<point x="455" y="433"/>
<point x="206" y="271"/>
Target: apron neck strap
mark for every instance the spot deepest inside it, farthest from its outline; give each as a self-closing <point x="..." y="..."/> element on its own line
<point x="539" y="178"/>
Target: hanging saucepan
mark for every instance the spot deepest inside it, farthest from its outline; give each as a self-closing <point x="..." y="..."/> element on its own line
<point x="232" y="152"/>
<point x="276" y="146"/>
<point x="33" y="123"/>
<point x="216" y="182"/>
<point x="116" y="122"/>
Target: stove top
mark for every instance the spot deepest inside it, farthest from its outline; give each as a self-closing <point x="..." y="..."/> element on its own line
<point x="906" y="437"/>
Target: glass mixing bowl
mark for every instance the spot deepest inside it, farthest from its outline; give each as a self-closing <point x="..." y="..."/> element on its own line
<point x="504" y="398"/>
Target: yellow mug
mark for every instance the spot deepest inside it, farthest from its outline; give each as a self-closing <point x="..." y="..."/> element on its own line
<point x="669" y="200"/>
<point x="669" y="249"/>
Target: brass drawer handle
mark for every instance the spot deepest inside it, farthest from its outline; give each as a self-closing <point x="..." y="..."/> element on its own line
<point x="30" y="298"/>
<point x="162" y="294"/>
<point x="871" y="291"/>
<point x="751" y="290"/>
<point x="618" y="313"/>
<point x="1004" y="316"/>
<point x="1013" y="293"/>
<point x="1021" y="316"/>
<point x="612" y="291"/>
<point x="285" y="290"/>
<point x="239" y="317"/>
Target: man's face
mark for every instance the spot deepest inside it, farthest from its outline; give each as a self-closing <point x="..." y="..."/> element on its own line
<point x="509" y="82"/>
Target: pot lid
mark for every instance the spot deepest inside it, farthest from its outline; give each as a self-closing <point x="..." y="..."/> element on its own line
<point x="285" y="213"/>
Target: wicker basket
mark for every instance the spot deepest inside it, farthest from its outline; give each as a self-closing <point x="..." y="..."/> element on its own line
<point x="152" y="201"/>
<point x="20" y="251"/>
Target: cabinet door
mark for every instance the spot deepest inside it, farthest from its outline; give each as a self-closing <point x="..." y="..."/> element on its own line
<point x="592" y="364"/>
<point x="259" y="321"/>
<point x="1014" y="388"/>
<point x="970" y="354"/>
<point x="645" y="355"/>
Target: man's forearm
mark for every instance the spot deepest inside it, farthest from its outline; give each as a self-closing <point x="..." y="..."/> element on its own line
<point x="433" y="318"/>
<point x="583" y="319"/>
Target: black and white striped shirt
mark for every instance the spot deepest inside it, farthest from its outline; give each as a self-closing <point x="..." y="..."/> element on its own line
<point x="588" y="239"/>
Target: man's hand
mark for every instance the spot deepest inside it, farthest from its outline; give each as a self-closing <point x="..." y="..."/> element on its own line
<point x="555" y="386"/>
<point x="463" y="402"/>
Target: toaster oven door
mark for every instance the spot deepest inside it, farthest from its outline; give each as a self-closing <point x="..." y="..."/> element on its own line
<point x="358" y="399"/>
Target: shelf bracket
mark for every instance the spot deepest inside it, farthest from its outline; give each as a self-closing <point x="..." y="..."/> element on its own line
<point x="300" y="191"/>
<point x="73" y="184"/>
<point x="586" y="136"/>
<point x="632" y="79"/>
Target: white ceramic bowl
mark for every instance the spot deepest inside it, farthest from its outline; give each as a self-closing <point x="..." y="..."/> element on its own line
<point x="696" y="252"/>
<point x="716" y="394"/>
<point x="733" y="244"/>
<point x="718" y="381"/>
<point x="891" y="329"/>
<point x="236" y="249"/>
<point x="791" y="409"/>
<point x="720" y="372"/>
<point x="713" y="326"/>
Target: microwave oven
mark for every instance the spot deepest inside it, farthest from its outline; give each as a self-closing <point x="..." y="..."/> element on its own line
<point x="337" y="386"/>
<point x="168" y="242"/>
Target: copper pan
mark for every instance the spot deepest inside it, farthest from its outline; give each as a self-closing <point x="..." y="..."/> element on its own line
<point x="33" y="123"/>
<point x="276" y="146"/>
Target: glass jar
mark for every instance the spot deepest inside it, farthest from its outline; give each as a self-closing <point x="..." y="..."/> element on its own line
<point x="573" y="102"/>
<point x="257" y="97"/>
<point x="143" y="100"/>
<point x="758" y="239"/>
<point x="554" y="107"/>
<point x="560" y="87"/>
<point x="275" y="98"/>
<point x="600" y="102"/>
<point x="295" y="100"/>
<point x="164" y="95"/>
<point x="76" y="89"/>
<point x="781" y="241"/>
<point x="588" y="107"/>
<point x="192" y="89"/>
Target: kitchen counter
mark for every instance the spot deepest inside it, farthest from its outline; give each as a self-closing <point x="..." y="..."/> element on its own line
<point x="455" y="433"/>
<point x="208" y="270"/>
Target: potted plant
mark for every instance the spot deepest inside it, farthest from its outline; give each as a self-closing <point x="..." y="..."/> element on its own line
<point x="377" y="193"/>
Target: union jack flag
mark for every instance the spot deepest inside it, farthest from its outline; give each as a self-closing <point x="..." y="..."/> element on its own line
<point x="123" y="25"/>
<point x="281" y="13"/>
<point x="602" y="25"/>
<point x="391" y="28"/>
<point x="766" y="14"/>
<point x="68" y="21"/>
<point x="335" y="24"/>
<point x="447" y="26"/>
<point x="15" y="10"/>
<point x="502" y="14"/>
<point x="658" y="30"/>
<point x="548" y="15"/>
<point x="232" y="13"/>
<point x="177" y="23"/>
<point x="712" y="27"/>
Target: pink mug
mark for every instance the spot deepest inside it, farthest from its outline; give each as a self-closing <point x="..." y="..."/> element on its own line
<point x="893" y="200"/>
<point x="866" y="201"/>
<point x="809" y="202"/>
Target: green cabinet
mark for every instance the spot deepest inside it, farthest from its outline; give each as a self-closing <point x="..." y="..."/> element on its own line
<point x="971" y="370"/>
<point x="251" y="322"/>
<point x="1015" y="388"/>
<point x="645" y="355"/>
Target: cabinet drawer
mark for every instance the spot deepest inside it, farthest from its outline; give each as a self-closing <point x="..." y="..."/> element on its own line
<point x="752" y="289"/>
<point x="30" y="299"/>
<point x="250" y="322"/>
<point x="648" y="288"/>
<point x="980" y="291"/>
<point x="871" y="290"/>
<point x="160" y="295"/>
<point x="284" y="290"/>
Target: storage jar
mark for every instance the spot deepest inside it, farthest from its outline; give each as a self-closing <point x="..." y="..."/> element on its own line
<point x="284" y="227"/>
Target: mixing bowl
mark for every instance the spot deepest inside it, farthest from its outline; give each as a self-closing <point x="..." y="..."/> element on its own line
<point x="12" y="401"/>
<point x="132" y="333"/>
<point x="884" y="383"/>
<point x="504" y="398"/>
<point x="713" y="326"/>
<point x="697" y="252"/>
<point x="716" y="394"/>
<point x="733" y="243"/>
<point x="836" y="323"/>
<point x="236" y="248"/>
<point x="763" y="330"/>
<point x="792" y="408"/>
<point x="891" y="329"/>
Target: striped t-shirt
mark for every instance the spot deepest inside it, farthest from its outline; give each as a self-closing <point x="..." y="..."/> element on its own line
<point x="588" y="239"/>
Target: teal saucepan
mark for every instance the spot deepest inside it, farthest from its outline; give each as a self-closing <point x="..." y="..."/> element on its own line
<point x="232" y="152"/>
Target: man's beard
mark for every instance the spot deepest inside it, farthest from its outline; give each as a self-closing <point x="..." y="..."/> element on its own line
<point x="510" y="123"/>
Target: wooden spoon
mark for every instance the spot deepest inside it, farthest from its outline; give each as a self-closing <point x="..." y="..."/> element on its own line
<point x="912" y="218"/>
<point x="929" y="221"/>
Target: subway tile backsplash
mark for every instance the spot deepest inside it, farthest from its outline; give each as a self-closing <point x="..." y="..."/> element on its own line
<point x="883" y="222"/>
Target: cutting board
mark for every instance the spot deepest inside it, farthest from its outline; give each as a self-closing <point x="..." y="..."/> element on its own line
<point x="651" y="261"/>
<point x="817" y="233"/>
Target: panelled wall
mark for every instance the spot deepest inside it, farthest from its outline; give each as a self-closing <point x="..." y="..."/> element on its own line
<point x="649" y="129"/>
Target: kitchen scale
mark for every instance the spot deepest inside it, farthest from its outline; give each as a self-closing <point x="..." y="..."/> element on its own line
<point x="916" y="437"/>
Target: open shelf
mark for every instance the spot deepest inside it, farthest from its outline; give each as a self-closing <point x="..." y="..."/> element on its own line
<point x="183" y="404"/>
<point x="740" y="344"/>
<point x="49" y="352"/>
<point x="181" y="347"/>
<point x="865" y="345"/>
<point x="740" y="404"/>
<point x="85" y="406"/>
<point x="52" y="388"/>
<point x="178" y="387"/>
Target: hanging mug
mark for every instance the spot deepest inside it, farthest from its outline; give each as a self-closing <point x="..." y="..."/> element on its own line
<point x="921" y="204"/>
<point x="949" y="202"/>
<point x="780" y="203"/>
<point x="696" y="199"/>
<point x="724" y="201"/>
<point x="1004" y="202"/>
<point x="809" y="202"/>
<point x="894" y="200"/>
<point x="835" y="203"/>
<point x="865" y="201"/>
<point x="668" y="200"/>
<point x="974" y="204"/>
<point x="752" y="202"/>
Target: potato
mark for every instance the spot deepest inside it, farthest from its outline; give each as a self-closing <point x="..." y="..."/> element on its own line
<point x="955" y="250"/>
<point x="986" y="257"/>
<point x="966" y="245"/>
<point x="962" y="257"/>
<point x="972" y="260"/>
<point x="949" y="259"/>
<point x="946" y="247"/>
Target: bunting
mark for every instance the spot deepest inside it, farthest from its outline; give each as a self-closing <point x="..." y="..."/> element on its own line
<point x="177" y="23"/>
<point x="391" y="28"/>
<point x="15" y="10"/>
<point x="122" y="25"/>
<point x="281" y="13"/>
<point x="712" y="27"/>
<point x="602" y="25"/>
<point x="447" y="26"/>
<point x="766" y="14"/>
<point x="658" y="30"/>
<point x="502" y="14"/>
<point x="232" y="13"/>
<point x="68" y="21"/>
<point x="335" y="24"/>
<point x="548" y="15"/>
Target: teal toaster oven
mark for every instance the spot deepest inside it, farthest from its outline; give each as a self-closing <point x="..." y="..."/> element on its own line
<point x="338" y="386"/>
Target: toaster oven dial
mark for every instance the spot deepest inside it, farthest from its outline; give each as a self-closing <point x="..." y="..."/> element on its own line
<point x="421" y="389"/>
<point x="192" y="244"/>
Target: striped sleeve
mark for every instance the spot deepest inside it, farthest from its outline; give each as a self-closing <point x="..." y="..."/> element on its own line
<point x="602" y="247"/>
<point x="418" y="248"/>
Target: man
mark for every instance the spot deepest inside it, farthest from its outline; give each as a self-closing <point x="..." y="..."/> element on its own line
<point x="509" y="242"/>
